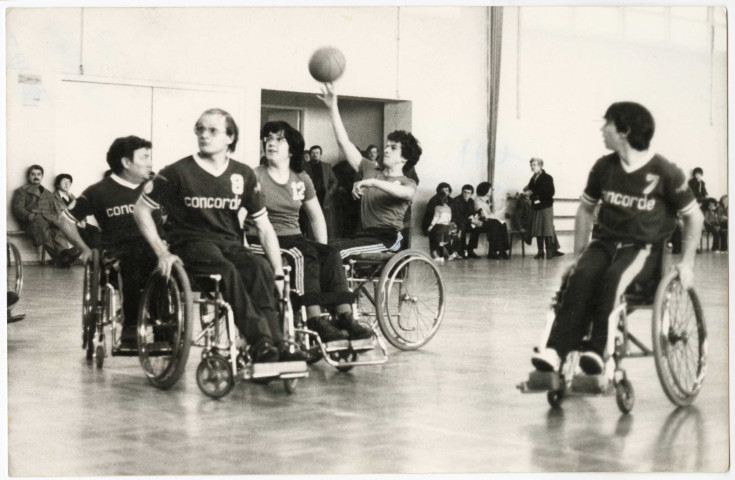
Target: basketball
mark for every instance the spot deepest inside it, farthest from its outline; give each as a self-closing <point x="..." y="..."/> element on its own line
<point x="327" y="64"/>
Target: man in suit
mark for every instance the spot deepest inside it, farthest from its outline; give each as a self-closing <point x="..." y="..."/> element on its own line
<point x="325" y="183"/>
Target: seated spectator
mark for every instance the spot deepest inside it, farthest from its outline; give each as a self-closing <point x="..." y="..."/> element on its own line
<point x="432" y="203"/>
<point x="89" y="233"/>
<point x="463" y="207"/>
<point x="713" y="223"/>
<point x="440" y="229"/>
<point x="722" y="210"/>
<point x="484" y="220"/>
<point x="696" y="184"/>
<point x="286" y="189"/>
<point x="385" y="194"/>
<point x="37" y="212"/>
<point x="111" y="201"/>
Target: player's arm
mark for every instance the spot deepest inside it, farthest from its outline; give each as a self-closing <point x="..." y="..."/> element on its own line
<point x="329" y="97"/>
<point x="68" y="226"/>
<point x="316" y="218"/>
<point x="693" y="220"/>
<point x="269" y="242"/>
<point x="583" y="226"/>
<point x="404" y="192"/>
<point x="143" y="215"/>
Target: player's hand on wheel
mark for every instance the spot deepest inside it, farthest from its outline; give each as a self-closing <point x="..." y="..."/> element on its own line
<point x="166" y="261"/>
<point x="686" y="275"/>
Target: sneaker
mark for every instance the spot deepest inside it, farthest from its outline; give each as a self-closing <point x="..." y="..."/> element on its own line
<point x="326" y="331"/>
<point x="493" y="255"/>
<point x="547" y="360"/>
<point x="290" y="352"/>
<point x="591" y="363"/>
<point x="557" y="253"/>
<point x="452" y="256"/>
<point x="357" y="330"/>
<point x="504" y="255"/>
<point x="539" y="255"/>
<point x="439" y="259"/>
<point x="264" y="352"/>
<point x="471" y="254"/>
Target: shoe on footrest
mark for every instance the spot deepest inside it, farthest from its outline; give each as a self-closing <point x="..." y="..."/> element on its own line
<point x="591" y="363"/>
<point x="326" y="331"/>
<point x="264" y="352"/>
<point x="357" y="330"/>
<point x="290" y="352"/>
<point x="547" y="360"/>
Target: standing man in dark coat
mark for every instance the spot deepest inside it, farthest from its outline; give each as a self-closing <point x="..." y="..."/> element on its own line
<point x="325" y="183"/>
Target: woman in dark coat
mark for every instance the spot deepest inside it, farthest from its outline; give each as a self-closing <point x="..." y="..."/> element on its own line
<point x="540" y="190"/>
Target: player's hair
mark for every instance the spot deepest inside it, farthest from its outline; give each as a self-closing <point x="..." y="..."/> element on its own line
<point x="443" y="185"/>
<point x="540" y="161"/>
<point x="293" y="137"/>
<point x="230" y="125"/>
<point x="124" y="147"/>
<point x="483" y="188"/>
<point x="34" y="167"/>
<point x="696" y="171"/>
<point x="61" y="177"/>
<point x="316" y="147"/>
<point x="468" y="187"/>
<point x="370" y="147"/>
<point x="410" y="147"/>
<point x="443" y="198"/>
<point x="635" y="120"/>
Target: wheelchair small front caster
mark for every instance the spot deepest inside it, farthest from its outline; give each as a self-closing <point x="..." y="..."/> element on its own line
<point x="289" y="384"/>
<point x="624" y="395"/>
<point x="214" y="376"/>
<point x="555" y="398"/>
<point x="99" y="356"/>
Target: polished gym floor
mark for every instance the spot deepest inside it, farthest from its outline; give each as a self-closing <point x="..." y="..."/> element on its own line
<point x="451" y="407"/>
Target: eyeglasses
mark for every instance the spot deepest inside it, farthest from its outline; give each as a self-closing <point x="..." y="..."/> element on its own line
<point x="200" y="129"/>
<point x="274" y="138"/>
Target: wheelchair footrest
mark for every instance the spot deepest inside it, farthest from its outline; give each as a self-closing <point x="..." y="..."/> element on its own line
<point x="362" y="345"/>
<point x="276" y="369"/>
<point x="125" y="352"/>
<point x="337" y="346"/>
<point x="540" y="382"/>
<point x="158" y="349"/>
<point x="591" y="385"/>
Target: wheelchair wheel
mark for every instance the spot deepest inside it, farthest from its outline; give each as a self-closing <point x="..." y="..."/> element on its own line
<point x="679" y="340"/>
<point x="289" y="385"/>
<point x="165" y="327"/>
<point x="99" y="356"/>
<point x="15" y="270"/>
<point x="90" y="300"/>
<point x="214" y="376"/>
<point x="555" y="398"/>
<point x="410" y="303"/>
<point x="625" y="395"/>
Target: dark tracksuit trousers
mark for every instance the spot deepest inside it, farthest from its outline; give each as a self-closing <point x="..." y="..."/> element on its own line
<point x="593" y="290"/>
<point x="248" y="284"/>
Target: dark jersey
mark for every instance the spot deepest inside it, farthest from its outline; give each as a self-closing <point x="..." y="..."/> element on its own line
<point x="111" y="202"/>
<point x="637" y="205"/>
<point x="200" y="205"/>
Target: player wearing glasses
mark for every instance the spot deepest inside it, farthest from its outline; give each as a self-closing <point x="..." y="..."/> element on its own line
<point x="207" y="196"/>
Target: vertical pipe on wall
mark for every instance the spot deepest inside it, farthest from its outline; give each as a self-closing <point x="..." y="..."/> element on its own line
<point x="81" y="44"/>
<point x="495" y="39"/>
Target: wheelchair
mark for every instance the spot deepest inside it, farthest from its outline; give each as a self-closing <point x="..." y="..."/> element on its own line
<point x="165" y="335"/>
<point x="14" y="278"/>
<point x="402" y="293"/>
<point x="679" y="348"/>
<point x="102" y="316"/>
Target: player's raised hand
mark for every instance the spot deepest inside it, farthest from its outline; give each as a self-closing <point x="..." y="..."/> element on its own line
<point x="328" y="96"/>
